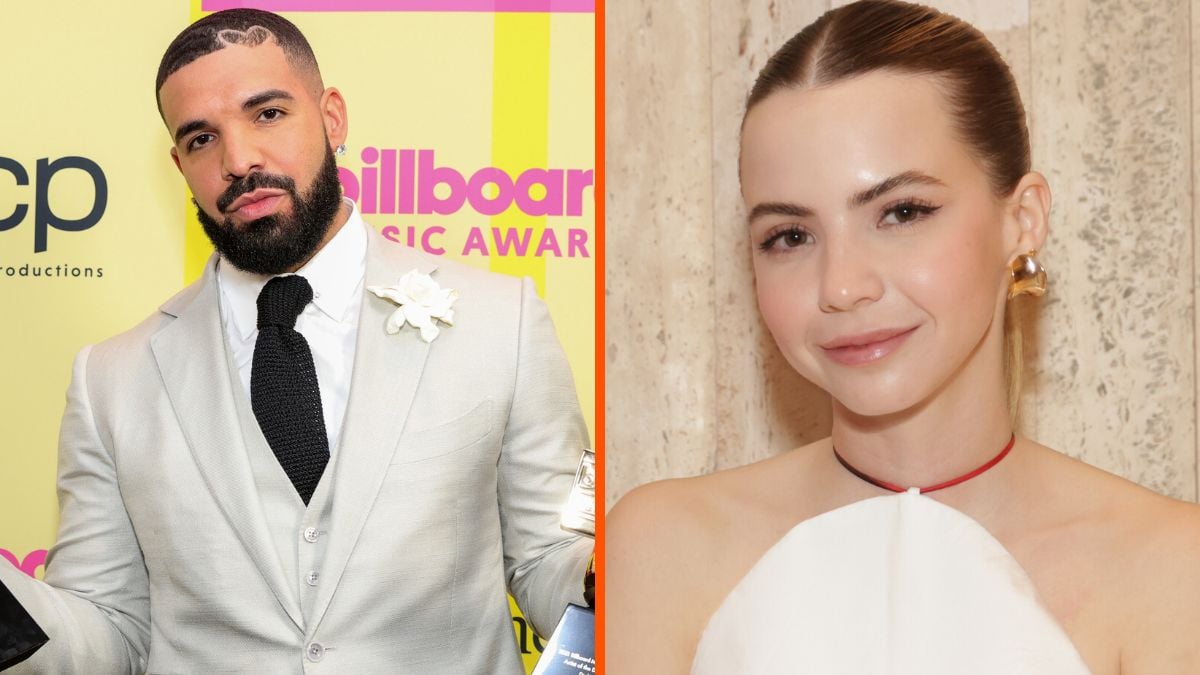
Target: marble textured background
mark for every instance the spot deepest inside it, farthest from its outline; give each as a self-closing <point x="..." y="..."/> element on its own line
<point x="694" y="382"/>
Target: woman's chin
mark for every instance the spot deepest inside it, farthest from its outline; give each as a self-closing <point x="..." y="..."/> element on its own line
<point x="877" y="403"/>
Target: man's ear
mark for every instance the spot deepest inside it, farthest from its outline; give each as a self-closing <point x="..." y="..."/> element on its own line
<point x="333" y="114"/>
<point x="1027" y="215"/>
<point x="175" y="158"/>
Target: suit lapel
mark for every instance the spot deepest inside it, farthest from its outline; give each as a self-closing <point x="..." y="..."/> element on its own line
<point x="387" y="370"/>
<point x="191" y="356"/>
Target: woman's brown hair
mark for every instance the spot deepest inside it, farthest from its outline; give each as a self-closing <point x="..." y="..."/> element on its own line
<point x="874" y="35"/>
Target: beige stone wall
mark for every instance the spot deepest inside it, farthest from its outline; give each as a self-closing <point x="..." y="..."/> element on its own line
<point x="694" y="382"/>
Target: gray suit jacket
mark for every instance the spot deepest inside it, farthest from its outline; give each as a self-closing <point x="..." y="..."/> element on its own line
<point x="445" y="489"/>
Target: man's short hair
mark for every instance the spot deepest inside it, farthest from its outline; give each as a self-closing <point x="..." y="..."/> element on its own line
<point x="248" y="27"/>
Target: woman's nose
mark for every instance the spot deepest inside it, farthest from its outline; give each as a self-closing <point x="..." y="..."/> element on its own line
<point x="848" y="278"/>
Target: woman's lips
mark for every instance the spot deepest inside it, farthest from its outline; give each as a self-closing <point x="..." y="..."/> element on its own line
<point x="857" y="350"/>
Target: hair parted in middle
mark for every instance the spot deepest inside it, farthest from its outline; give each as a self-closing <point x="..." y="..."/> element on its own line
<point x="874" y="35"/>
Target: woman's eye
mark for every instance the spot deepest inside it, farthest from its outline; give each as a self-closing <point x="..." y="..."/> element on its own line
<point x="789" y="238"/>
<point x="906" y="213"/>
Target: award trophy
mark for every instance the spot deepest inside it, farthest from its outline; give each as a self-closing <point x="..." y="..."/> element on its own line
<point x="579" y="515"/>
<point x="571" y="649"/>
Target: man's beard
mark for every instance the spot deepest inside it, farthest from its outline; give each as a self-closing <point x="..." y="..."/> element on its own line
<point x="276" y="243"/>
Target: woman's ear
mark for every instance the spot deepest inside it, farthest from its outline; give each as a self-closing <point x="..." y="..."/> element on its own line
<point x="1028" y="215"/>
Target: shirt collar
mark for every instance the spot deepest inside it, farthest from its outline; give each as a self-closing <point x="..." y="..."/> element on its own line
<point x="335" y="274"/>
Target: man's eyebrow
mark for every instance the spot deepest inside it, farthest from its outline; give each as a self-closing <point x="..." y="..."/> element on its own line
<point x="188" y="127"/>
<point x="268" y="95"/>
<point x="252" y="102"/>
<point x="888" y="184"/>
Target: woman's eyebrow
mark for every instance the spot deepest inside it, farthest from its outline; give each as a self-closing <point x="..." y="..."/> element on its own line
<point x="856" y="200"/>
<point x="888" y="184"/>
<point x="778" y="209"/>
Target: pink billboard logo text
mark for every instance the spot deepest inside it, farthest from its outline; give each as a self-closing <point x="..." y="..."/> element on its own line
<point x="505" y="242"/>
<point x="409" y="182"/>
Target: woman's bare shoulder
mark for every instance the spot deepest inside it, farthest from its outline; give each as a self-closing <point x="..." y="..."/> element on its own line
<point x="665" y="519"/>
<point x="1143" y="549"/>
<point x="1126" y="519"/>
<point x="697" y="512"/>
<point x="682" y="523"/>
<point x="673" y="550"/>
<point x="1081" y="493"/>
<point x="1160" y="585"/>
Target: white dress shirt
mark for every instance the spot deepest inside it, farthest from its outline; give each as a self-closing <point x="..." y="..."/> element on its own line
<point x="329" y="323"/>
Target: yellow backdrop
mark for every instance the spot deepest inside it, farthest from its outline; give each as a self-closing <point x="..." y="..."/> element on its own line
<point x="471" y="136"/>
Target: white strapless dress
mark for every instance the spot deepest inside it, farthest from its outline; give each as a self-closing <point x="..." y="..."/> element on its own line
<point x="893" y="584"/>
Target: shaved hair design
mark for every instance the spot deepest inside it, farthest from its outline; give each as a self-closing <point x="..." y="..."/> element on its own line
<point x="245" y="27"/>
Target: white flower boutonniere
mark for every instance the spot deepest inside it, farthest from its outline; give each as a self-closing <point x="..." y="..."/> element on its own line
<point x="422" y="304"/>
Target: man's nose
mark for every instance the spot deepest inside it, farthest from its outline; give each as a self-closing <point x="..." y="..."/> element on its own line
<point x="241" y="156"/>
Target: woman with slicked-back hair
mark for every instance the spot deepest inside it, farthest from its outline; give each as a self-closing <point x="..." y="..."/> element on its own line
<point x="895" y="223"/>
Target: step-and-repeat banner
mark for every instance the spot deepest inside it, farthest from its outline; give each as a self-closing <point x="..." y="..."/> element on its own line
<point x="472" y="129"/>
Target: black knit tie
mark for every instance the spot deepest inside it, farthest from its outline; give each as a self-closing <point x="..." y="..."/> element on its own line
<point x="283" y="385"/>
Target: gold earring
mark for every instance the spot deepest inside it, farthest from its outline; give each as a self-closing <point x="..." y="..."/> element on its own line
<point x="1028" y="276"/>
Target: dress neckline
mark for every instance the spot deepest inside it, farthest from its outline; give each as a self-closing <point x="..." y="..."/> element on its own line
<point x="936" y="554"/>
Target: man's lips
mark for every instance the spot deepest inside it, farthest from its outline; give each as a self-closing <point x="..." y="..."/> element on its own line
<point x="852" y="350"/>
<point x="256" y="203"/>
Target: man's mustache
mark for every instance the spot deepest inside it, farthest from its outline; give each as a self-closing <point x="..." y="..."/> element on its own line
<point x="251" y="183"/>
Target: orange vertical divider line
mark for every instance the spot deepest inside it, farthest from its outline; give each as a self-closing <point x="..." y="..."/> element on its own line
<point x="599" y="193"/>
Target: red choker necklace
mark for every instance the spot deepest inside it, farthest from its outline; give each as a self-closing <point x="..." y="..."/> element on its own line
<point x="950" y="483"/>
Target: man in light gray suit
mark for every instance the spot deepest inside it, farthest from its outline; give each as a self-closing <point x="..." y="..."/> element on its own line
<point x="322" y="456"/>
